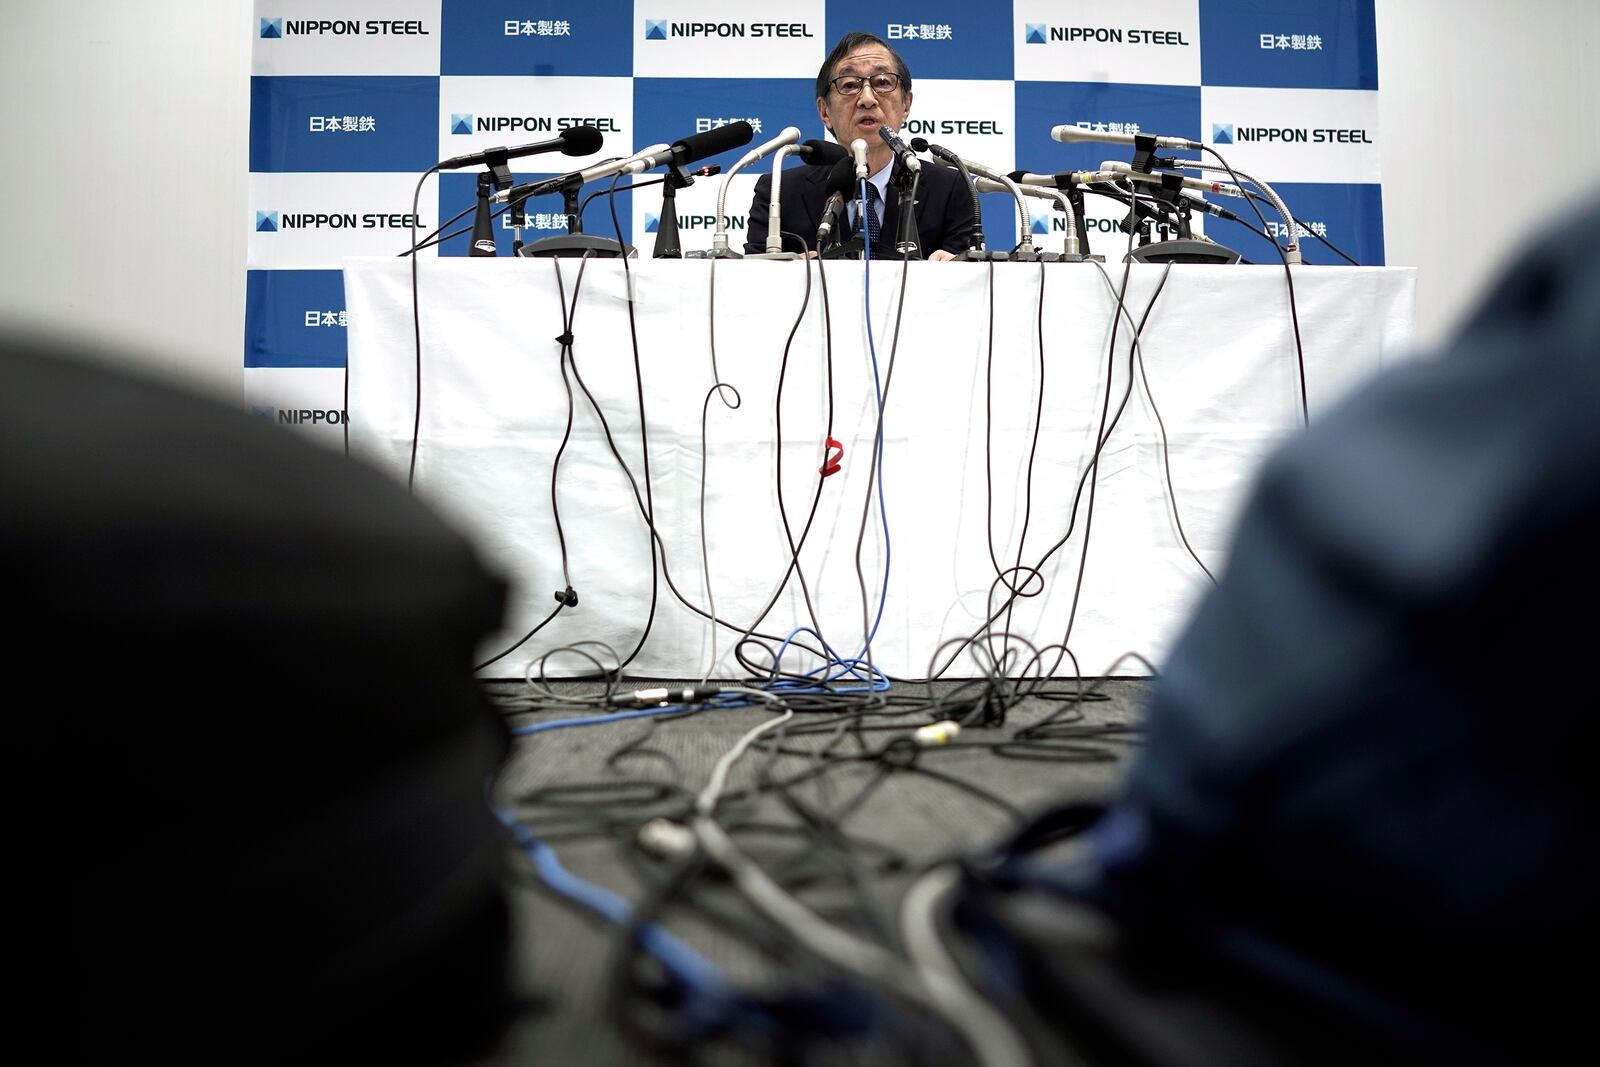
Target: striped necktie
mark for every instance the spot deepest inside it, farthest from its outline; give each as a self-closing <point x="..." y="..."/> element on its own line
<point x="870" y="229"/>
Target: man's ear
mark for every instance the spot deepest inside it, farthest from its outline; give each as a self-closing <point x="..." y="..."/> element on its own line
<point x="822" y="113"/>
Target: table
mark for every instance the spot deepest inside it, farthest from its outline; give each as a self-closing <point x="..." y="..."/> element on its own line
<point x="971" y="360"/>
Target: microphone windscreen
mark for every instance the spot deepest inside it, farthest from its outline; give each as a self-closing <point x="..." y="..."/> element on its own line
<point x="919" y="144"/>
<point x="581" y="141"/>
<point x="714" y="141"/>
<point x="842" y="178"/>
<point x="825" y="152"/>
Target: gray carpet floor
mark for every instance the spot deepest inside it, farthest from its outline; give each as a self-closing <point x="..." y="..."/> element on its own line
<point x="586" y="790"/>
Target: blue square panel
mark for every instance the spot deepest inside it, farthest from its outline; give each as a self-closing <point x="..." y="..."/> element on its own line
<point x="294" y="318"/>
<point x="321" y="125"/>
<point x="536" y="37"/>
<point x="1289" y="44"/>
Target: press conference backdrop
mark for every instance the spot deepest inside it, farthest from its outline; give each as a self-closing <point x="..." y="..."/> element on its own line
<point x="352" y="100"/>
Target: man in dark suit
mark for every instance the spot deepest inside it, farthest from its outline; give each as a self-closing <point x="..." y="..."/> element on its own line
<point x="865" y="85"/>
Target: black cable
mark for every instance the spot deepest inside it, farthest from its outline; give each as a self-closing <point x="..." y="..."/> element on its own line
<point x="568" y="317"/>
<point x="1294" y="314"/>
<point x="416" y="326"/>
<point x="583" y="206"/>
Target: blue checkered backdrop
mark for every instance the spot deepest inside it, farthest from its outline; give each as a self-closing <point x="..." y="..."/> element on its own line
<point x="351" y="100"/>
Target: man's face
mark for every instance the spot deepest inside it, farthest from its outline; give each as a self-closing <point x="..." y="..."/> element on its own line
<point x="849" y="117"/>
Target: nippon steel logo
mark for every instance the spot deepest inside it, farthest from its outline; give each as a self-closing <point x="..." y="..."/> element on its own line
<point x="300" y="416"/>
<point x="273" y="29"/>
<point x="652" y="222"/>
<point x="663" y="29"/>
<point x="276" y="222"/>
<point x="946" y="127"/>
<point x="468" y="123"/>
<point x="1230" y="133"/>
<point x="1039" y="33"/>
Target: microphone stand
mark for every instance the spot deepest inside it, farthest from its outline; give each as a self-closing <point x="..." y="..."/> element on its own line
<point x="667" y="246"/>
<point x="497" y="177"/>
<point x="906" y="239"/>
<point x="575" y="242"/>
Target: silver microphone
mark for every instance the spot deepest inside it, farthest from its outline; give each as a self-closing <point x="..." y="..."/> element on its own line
<point x="1078" y="135"/>
<point x="790" y="135"/>
<point x="858" y="148"/>
<point x="719" y="236"/>
<point x="584" y="177"/>
<point x="1125" y="170"/>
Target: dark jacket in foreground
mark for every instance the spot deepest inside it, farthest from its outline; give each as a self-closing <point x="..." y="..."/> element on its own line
<point x="1362" y="828"/>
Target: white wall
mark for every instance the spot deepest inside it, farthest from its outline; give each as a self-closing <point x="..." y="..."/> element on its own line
<point x="126" y="149"/>
<point x="125" y="133"/>
<point x="1475" y="98"/>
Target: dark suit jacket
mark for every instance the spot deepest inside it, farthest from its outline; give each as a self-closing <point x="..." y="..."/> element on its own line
<point x="944" y="210"/>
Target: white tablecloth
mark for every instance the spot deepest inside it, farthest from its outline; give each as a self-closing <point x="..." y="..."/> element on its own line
<point x="958" y="429"/>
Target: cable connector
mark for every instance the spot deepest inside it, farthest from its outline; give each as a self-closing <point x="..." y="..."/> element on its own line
<point x="651" y="698"/>
<point x="567" y="597"/>
<point x="937" y="733"/>
<point x="665" y="839"/>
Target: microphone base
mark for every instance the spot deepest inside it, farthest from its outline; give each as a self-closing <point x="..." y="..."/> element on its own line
<point x="574" y="245"/>
<point x="855" y="246"/>
<point x="773" y="255"/>
<point x="1183" y="250"/>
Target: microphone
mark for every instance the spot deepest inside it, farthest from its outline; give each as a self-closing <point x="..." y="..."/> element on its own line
<point x="975" y="250"/>
<point x="858" y="148"/>
<point x="774" y="247"/>
<point x="823" y="153"/>
<point x="790" y="135"/>
<point x="841" y="180"/>
<point x="1064" y="180"/>
<point x="1126" y="171"/>
<point x="578" y="141"/>
<point x="691" y="149"/>
<point x="1078" y="135"/>
<point x="908" y="158"/>
<point x="581" y="177"/>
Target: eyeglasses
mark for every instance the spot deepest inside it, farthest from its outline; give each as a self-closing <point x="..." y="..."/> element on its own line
<point x="850" y="84"/>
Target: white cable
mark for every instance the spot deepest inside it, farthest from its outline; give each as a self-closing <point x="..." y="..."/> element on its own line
<point x="992" y="1040"/>
<point x="707" y="801"/>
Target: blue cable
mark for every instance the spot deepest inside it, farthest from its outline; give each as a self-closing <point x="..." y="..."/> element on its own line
<point x="876" y="682"/>
<point x="713" y="1000"/>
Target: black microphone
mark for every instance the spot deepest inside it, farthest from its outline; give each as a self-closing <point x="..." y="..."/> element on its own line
<point x="951" y="159"/>
<point x="578" y="141"/>
<point x="908" y="158"/>
<point x="712" y="142"/>
<point x="841" y="179"/>
<point x="824" y="153"/>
